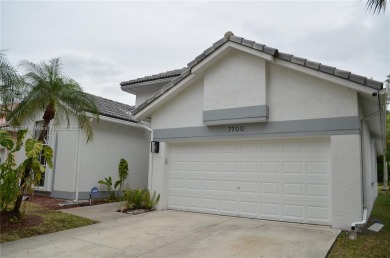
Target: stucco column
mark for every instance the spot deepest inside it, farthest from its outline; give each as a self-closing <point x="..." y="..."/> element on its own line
<point x="347" y="199"/>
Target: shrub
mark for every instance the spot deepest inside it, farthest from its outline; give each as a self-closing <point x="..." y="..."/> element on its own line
<point x="133" y="198"/>
<point x="111" y="191"/>
<point x="150" y="201"/>
<point x="123" y="169"/>
<point x="140" y="199"/>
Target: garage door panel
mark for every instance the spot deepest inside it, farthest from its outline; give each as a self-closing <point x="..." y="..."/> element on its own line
<point x="269" y="167"/>
<point x="317" y="167"/>
<point x="194" y="184"/>
<point x="210" y="166"/>
<point x="193" y="165"/>
<point x="269" y="188"/>
<point x="293" y="167"/>
<point x="177" y="165"/>
<point x="293" y="189"/>
<point x="269" y="210"/>
<point x="293" y="211"/>
<point x="248" y="208"/>
<point x="317" y="148"/>
<point x="317" y="190"/>
<point x="280" y="180"/>
<point x="249" y="148"/>
<point x="248" y="167"/>
<point x="228" y="186"/>
<point x="249" y="187"/>
<point x="177" y="183"/>
<point x="269" y="148"/>
<point x="295" y="147"/>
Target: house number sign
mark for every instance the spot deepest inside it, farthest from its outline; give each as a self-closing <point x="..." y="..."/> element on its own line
<point x="235" y="128"/>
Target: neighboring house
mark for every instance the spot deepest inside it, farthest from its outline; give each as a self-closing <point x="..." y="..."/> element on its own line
<point x="78" y="165"/>
<point x="246" y="130"/>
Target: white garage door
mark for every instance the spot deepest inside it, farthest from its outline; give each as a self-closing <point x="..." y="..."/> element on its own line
<point x="278" y="180"/>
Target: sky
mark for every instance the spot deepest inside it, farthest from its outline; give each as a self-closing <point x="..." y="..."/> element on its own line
<point x="102" y="43"/>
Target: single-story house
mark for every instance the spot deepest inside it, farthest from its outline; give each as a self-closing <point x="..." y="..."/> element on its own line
<point x="78" y="165"/>
<point x="246" y="130"/>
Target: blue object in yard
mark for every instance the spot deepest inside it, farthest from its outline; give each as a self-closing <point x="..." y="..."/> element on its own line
<point x="94" y="190"/>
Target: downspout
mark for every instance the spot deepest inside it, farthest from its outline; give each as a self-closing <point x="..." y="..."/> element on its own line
<point x="385" y="172"/>
<point x="360" y="223"/>
<point x="354" y="225"/>
<point x="77" y="167"/>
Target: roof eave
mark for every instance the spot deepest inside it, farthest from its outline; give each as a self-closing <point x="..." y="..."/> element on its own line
<point x="132" y="88"/>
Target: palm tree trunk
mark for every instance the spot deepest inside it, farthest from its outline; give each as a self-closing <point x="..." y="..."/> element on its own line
<point x="16" y="210"/>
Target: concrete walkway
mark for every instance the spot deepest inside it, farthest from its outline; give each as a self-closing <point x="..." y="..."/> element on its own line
<point x="102" y="212"/>
<point x="179" y="234"/>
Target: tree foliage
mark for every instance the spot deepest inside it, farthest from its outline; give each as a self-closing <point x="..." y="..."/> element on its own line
<point x="13" y="183"/>
<point x="123" y="170"/>
<point x="55" y="95"/>
<point x="376" y="6"/>
<point x="12" y="86"/>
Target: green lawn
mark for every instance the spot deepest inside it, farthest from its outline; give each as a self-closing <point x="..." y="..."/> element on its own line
<point x="40" y="220"/>
<point x="368" y="244"/>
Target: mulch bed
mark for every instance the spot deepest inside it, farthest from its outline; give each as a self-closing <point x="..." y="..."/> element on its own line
<point x="27" y="221"/>
<point x="54" y="204"/>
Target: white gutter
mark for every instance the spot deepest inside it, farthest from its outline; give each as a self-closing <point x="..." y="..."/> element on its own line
<point x="360" y="223"/>
<point x="117" y="121"/>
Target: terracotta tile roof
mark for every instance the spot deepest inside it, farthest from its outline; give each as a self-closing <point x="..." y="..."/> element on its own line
<point x="230" y="37"/>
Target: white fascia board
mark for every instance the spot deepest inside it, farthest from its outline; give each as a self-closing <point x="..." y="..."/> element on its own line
<point x="144" y="113"/>
<point x="133" y="87"/>
<point x="329" y="77"/>
<point x="115" y="120"/>
<point x="220" y="52"/>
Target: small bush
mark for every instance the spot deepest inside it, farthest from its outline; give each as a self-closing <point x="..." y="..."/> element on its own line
<point x="133" y="198"/>
<point x="123" y="171"/>
<point x="140" y="199"/>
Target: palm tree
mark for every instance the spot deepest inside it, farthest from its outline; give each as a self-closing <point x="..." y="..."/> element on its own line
<point x="12" y="87"/>
<point x="376" y="5"/>
<point x="56" y="96"/>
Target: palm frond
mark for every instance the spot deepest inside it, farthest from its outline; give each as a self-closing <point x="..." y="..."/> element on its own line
<point x="55" y="95"/>
<point x="12" y="86"/>
<point x="80" y="104"/>
<point x="376" y="6"/>
<point x="33" y="104"/>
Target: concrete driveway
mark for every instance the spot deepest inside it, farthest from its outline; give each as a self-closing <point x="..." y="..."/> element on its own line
<point x="179" y="234"/>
